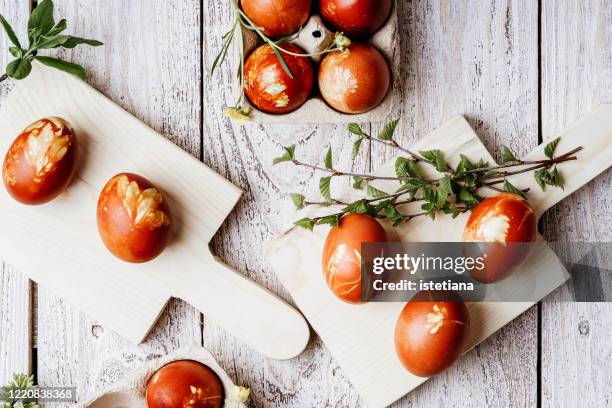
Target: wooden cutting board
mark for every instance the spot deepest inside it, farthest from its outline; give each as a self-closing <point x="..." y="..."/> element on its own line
<point x="57" y="244"/>
<point x="361" y="337"/>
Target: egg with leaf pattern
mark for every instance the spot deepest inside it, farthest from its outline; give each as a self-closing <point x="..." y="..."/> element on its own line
<point x="431" y="332"/>
<point x="41" y="162"/>
<point x="134" y="219"/>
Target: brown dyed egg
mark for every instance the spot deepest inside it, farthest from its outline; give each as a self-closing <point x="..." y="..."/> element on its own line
<point x="185" y="384"/>
<point x="134" y="219"/>
<point x="431" y="332"/>
<point x="41" y="162"/>
<point x="500" y="223"/>
<point x="277" y="17"/>
<point x="355" y="80"/>
<point x="342" y="254"/>
<point x="269" y="87"/>
<point x="355" y="18"/>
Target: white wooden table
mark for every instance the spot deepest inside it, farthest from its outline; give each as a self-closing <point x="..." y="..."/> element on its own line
<point x="520" y="71"/>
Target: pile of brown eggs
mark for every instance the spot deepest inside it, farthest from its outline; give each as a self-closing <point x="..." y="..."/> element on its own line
<point x="352" y="81"/>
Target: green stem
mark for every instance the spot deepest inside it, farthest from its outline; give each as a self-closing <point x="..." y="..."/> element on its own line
<point x="334" y="172"/>
<point x="396" y="145"/>
<point x="253" y="27"/>
<point x="544" y="164"/>
<point x="4" y="77"/>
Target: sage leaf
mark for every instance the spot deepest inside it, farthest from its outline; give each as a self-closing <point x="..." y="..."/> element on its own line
<point x="9" y="31"/>
<point x="74" y="41"/>
<point x="65" y="66"/>
<point x="430" y="155"/>
<point x="356" y="147"/>
<point x="556" y="178"/>
<point x="288" y="155"/>
<point x="541" y="177"/>
<point x="437" y="158"/>
<point x="509" y="188"/>
<point x="324" y="187"/>
<point x="388" y="130"/>
<point x="446" y="185"/>
<point x="332" y="220"/>
<point x="34" y="35"/>
<point x="508" y="155"/>
<point x="16" y="52"/>
<point x="298" y="200"/>
<point x="355" y="129"/>
<point x="441" y="196"/>
<point x="429" y="194"/>
<point x="452" y="209"/>
<point x="42" y="17"/>
<point x="19" y="68"/>
<point x="375" y="193"/>
<point x="467" y="198"/>
<point x="52" y="42"/>
<point x="359" y="206"/>
<point x="413" y="184"/>
<point x="466" y="163"/>
<point x="58" y="28"/>
<point x="357" y="182"/>
<point x="328" y="159"/>
<point x="550" y="148"/>
<point x="405" y="167"/>
<point x="307" y="223"/>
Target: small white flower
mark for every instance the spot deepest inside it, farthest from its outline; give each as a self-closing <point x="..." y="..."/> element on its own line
<point x="240" y="394"/>
<point x="342" y="42"/>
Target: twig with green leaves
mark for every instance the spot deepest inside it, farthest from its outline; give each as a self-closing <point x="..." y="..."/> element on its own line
<point x="43" y="33"/>
<point x="19" y="384"/>
<point x="239" y="111"/>
<point x="455" y="192"/>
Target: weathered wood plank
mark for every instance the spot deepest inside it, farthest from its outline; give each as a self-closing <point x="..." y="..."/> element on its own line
<point x="244" y="156"/>
<point x="150" y="65"/>
<point x="15" y="288"/>
<point x="479" y="61"/>
<point x="576" y="76"/>
<point x="15" y="323"/>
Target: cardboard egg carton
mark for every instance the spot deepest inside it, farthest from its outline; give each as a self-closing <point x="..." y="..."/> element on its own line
<point x="313" y="37"/>
<point x="130" y="390"/>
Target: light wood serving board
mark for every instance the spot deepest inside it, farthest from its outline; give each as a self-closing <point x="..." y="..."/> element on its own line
<point x="361" y="337"/>
<point x="57" y="244"/>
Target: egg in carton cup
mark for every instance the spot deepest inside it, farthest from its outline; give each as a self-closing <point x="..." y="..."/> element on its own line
<point x="312" y="38"/>
<point x="130" y="391"/>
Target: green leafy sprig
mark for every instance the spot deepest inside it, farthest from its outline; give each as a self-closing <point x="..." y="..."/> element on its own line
<point x="239" y="111"/>
<point x="43" y="33"/>
<point x="455" y="192"/>
<point x="20" y="382"/>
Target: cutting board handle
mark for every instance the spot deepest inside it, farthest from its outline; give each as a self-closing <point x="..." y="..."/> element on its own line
<point x="594" y="133"/>
<point x="245" y="309"/>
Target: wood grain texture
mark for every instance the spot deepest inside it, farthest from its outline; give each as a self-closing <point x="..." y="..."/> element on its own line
<point x="15" y="289"/>
<point x="150" y="66"/>
<point x="360" y="337"/>
<point x="75" y="264"/>
<point x="576" y="76"/>
<point x="244" y="156"/>
<point x="145" y="42"/>
<point x="478" y="59"/>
